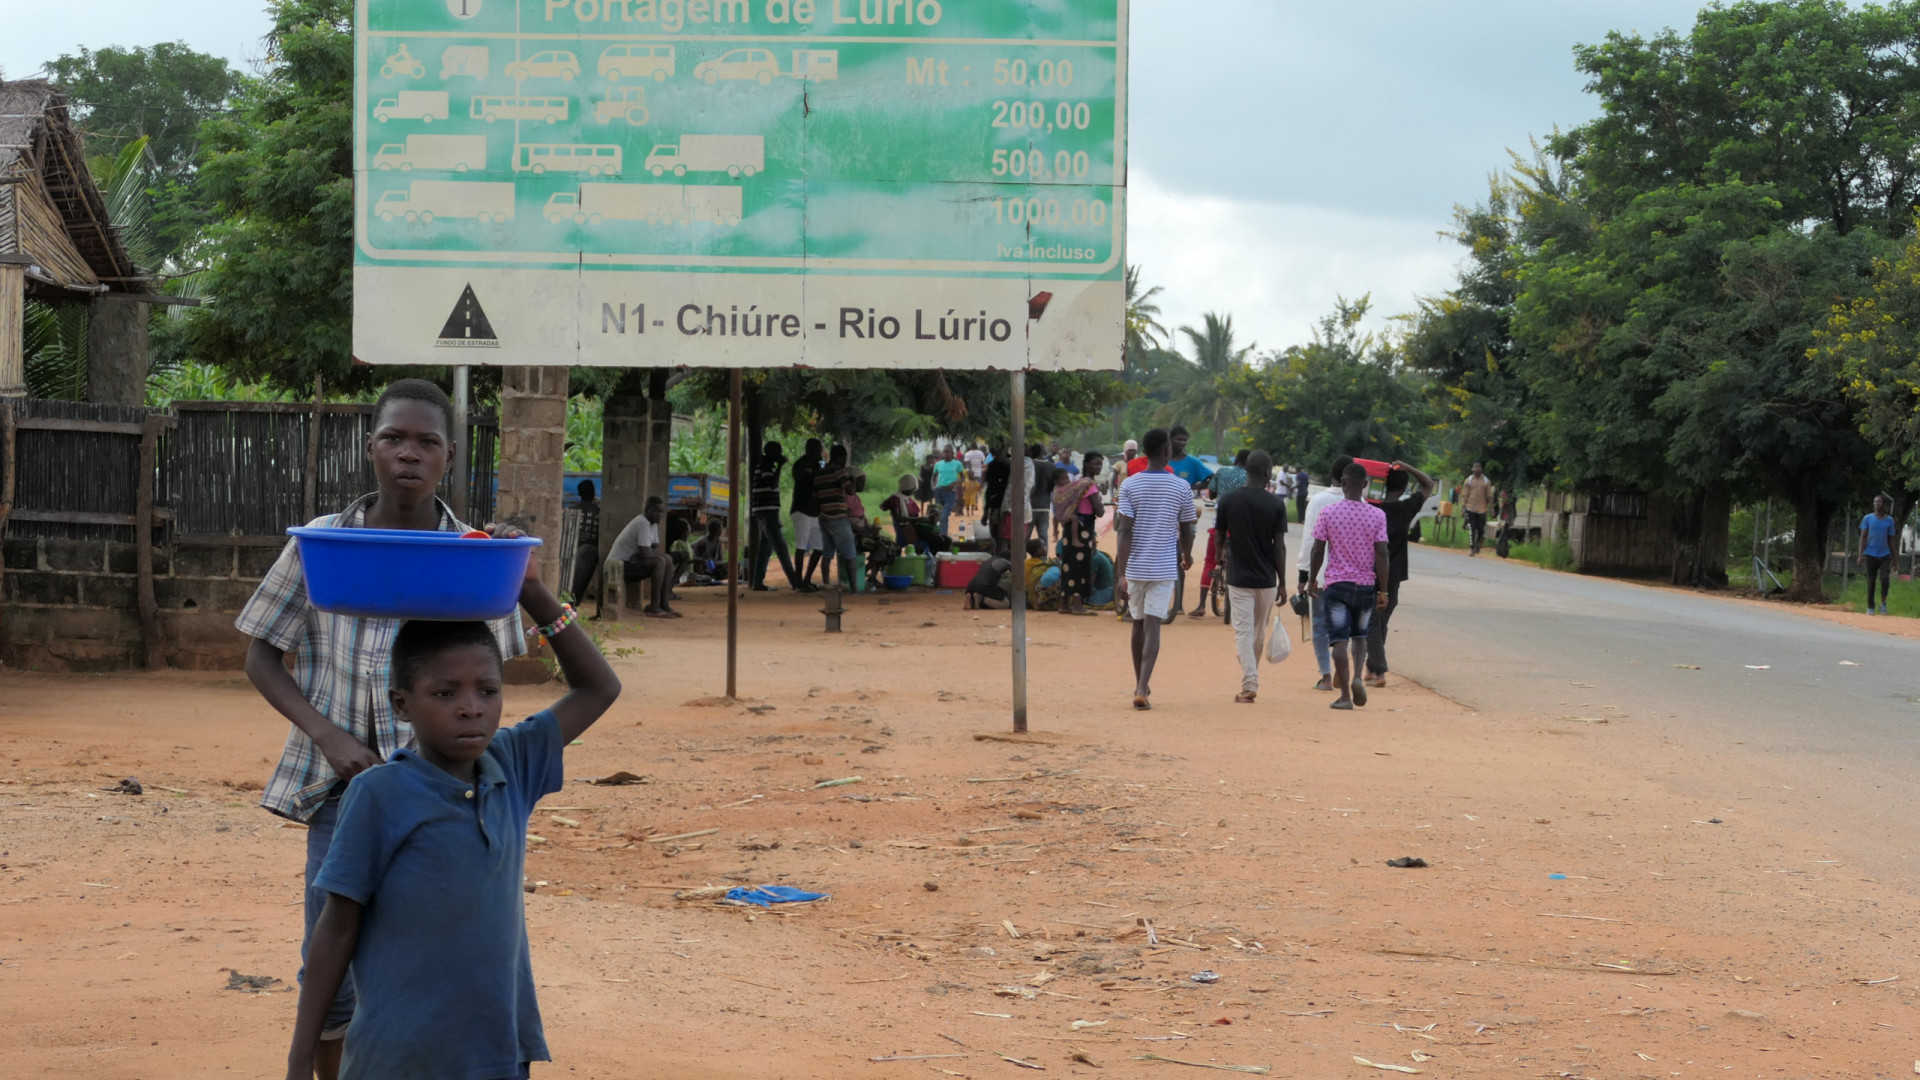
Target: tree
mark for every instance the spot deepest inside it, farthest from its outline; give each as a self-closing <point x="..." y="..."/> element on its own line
<point x="1144" y="332"/>
<point x="1207" y="385"/>
<point x="1766" y="399"/>
<point x="1726" y="177"/>
<point x="279" y="177"/>
<point x="872" y="410"/>
<point x="161" y="95"/>
<point x="1813" y="98"/>
<point x="1344" y="392"/>
<point x="1873" y="342"/>
<point x="1463" y="342"/>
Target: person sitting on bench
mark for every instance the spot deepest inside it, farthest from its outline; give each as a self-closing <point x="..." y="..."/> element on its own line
<point x="638" y="549"/>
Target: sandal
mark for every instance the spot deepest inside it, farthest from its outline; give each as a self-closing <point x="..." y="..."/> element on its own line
<point x="1243" y="698"/>
<point x="1140" y="702"/>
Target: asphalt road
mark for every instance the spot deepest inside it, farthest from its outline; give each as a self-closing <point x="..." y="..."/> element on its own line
<point x="1778" y="692"/>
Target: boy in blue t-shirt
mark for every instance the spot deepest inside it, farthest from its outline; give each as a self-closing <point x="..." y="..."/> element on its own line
<point x="424" y="874"/>
<point x="1879" y="536"/>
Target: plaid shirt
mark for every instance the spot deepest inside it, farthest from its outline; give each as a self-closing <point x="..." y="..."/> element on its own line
<point x="341" y="664"/>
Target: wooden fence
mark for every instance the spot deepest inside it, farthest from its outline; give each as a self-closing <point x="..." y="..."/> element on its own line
<point x="75" y="467"/>
<point x="255" y="468"/>
<point x="218" y="468"/>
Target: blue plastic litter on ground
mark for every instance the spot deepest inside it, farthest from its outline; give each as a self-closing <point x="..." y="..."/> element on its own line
<point x="769" y="895"/>
<point x="1556" y="877"/>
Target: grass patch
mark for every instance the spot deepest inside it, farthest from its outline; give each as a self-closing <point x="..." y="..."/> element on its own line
<point x="1902" y="599"/>
<point x="1557" y="555"/>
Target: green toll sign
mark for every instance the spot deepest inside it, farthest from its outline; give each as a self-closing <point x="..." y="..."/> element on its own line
<point x="835" y="183"/>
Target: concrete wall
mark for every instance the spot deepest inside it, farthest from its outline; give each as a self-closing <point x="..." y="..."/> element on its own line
<point x="70" y="604"/>
<point x="635" y="449"/>
<point x="533" y="437"/>
<point x="116" y="351"/>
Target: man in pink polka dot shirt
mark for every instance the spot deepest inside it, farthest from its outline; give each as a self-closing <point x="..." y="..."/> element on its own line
<point x="1350" y="540"/>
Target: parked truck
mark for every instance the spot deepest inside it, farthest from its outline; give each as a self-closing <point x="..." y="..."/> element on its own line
<point x="735" y="155"/>
<point x="655" y="204"/>
<point x="447" y="153"/>
<point x="425" y="200"/>
<point x="425" y="106"/>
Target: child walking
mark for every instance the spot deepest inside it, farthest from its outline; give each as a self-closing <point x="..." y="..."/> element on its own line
<point x="423" y="880"/>
<point x="336" y="693"/>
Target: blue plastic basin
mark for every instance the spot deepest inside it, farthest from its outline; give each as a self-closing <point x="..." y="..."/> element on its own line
<point x="897" y="581"/>
<point x="404" y="574"/>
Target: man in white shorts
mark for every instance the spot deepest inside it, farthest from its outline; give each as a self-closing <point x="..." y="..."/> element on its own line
<point x="1155" y="522"/>
<point x="804" y="512"/>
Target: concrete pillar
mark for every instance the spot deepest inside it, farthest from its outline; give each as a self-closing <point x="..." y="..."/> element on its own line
<point x="116" y="351"/>
<point x="13" y="328"/>
<point x="533" y="431"/>
<point x="636" y="437"/>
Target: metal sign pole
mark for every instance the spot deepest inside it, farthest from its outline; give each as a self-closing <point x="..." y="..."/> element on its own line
<point x="463" y="450"/>
<point x="1017" y="495"/>
<point x="735" y="511"/>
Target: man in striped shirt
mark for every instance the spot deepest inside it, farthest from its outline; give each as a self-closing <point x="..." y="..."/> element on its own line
<point x="1155" y="523"/>
<point x="768" y="539"/>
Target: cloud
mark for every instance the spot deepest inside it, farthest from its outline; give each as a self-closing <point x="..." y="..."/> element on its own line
<point x="1277" y="268"/>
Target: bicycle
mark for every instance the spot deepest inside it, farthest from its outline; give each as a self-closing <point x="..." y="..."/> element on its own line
<point x="1217" y="594"/>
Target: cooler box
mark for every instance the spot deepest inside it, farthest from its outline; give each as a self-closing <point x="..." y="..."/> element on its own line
<point x="954" y="569"/>
<point x="913" y="566"/>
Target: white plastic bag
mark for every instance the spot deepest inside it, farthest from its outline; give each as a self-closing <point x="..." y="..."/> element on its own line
<point x="1279" y="645"/>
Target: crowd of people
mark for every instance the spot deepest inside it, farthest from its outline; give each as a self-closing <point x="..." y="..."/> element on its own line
<point x="962" y="499"/>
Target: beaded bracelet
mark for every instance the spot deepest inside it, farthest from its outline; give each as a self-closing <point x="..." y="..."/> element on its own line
<point x="567" y="618"/>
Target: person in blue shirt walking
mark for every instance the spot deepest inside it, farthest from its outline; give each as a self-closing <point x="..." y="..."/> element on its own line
<point x="1195" y="473"/>
<point x="424" y="905"/>
<point x="1879" y="541"/>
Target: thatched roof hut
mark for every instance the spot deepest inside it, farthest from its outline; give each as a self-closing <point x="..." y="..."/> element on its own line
<point x="53" y="220"/>
<point x="57" y="243"/>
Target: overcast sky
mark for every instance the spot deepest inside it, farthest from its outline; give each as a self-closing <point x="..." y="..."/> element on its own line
<point x="1284" y="152"/>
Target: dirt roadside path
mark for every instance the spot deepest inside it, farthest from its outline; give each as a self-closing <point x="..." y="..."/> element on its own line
<point x="1253" y="838"/>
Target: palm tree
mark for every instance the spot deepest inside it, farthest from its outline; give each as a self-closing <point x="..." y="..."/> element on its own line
<point x="1144" y="332"/>
<point x="1207" y="385"/>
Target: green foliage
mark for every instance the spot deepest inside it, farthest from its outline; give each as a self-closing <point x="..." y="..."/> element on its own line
<point x="278" y="175"/>
<point x="585" y="432"/>
<point x="1903" y="599"/>
<point x="1145" y="335"/>
<point x="1557" y="555"/>
<point x="204" y="382"/>
<point x="1639" y="316"/>
<point x="54" y="340"/>
<point x="159" y="95"/>
<point x="703" y="448"/>
<point x="1812" y="98"/>
<point x="1463" y="340"/>
<point x="872" y="411"/>
<point x="1873" y="340"/>
<point x="1210" y="386"/>
<point x="1342" y="393"/>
